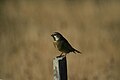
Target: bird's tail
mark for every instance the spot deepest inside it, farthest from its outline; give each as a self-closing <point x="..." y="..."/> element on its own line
<point x="77" y="51"/>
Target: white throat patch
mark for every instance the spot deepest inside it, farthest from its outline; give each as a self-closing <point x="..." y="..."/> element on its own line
<point x="56" y="38"/>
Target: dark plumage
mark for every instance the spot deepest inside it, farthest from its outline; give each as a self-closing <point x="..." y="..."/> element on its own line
<point x="62" y="44"/>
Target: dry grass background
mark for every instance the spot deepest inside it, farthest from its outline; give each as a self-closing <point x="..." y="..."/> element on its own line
<point x="26" y="49"/>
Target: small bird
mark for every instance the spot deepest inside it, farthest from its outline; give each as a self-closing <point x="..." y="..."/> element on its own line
<point x="62" y="44"/>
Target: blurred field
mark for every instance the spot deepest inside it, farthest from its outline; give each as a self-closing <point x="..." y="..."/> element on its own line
<point x="26" y="48"/>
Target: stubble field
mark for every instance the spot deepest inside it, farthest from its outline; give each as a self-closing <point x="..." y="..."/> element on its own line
<point x="26" y="48"/>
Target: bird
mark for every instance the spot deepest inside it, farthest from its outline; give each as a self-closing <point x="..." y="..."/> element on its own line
<point x="62" y="44"/>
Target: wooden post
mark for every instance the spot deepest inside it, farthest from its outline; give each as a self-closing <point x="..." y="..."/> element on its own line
<point x="60" y="68"/>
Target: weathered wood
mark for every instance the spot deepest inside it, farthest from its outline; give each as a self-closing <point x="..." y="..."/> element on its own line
<point x="60" y="68"/>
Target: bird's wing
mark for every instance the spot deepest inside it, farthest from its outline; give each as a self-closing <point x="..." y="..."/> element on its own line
<point x="67" y="45"/>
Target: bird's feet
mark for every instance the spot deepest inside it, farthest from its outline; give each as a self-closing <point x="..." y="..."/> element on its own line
<point x="60" y="56"/>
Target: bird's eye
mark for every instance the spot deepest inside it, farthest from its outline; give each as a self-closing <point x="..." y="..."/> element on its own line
<point x="55" y="34"/>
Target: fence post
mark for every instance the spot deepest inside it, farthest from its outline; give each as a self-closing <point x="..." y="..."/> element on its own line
<point x="60" y="68"/>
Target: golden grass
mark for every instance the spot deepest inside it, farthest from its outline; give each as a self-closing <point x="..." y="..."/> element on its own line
<point x="26" y="49"/>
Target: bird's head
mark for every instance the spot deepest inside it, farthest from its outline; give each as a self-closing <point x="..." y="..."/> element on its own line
<point x="56" y="36"/>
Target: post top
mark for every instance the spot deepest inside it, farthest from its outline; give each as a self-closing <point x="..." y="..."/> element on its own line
<point x="59" y="57"/>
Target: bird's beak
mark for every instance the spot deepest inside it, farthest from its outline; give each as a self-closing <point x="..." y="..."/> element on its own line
<point x="52" y="35"/>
